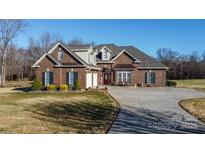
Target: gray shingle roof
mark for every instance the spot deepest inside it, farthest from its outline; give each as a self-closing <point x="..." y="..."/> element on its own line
<point x="145" y="60"/>
<point x="115" y="51"/>
<point x="76" y="47"/>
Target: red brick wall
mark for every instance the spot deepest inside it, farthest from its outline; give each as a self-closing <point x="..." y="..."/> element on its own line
<point x="68" y="58"/>
<point x="138" y="76"/>
<point x="160" y="77"/>
<point x="45" y="64"/>
<point x="124" y="58"/>
<point x="59" y="74"/>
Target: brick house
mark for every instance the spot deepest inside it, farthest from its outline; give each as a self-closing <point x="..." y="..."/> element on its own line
<point x="104" y="64"/>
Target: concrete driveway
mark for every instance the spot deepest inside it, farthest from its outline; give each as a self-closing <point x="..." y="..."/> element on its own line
<point x="154" y="110"/>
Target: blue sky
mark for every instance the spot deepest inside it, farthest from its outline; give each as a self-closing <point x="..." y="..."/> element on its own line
<point x="184" y="36"/>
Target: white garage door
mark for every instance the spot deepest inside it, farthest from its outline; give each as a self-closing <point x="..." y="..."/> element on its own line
<point x="95" y="80"/>
<point x="88" y="80"/>
<point x="91" y="80"/>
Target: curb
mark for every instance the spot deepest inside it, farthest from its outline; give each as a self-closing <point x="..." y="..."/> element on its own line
<point x="116" y="114"/>
<point x="186" y="110"/>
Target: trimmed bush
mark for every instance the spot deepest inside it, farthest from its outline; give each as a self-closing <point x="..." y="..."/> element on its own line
<point x="51" y="87"/>
<point x="63" y="87"/>
<point x="77" y="85"/>
<point x="171" y="83"/>
<point x="37" y="84"/>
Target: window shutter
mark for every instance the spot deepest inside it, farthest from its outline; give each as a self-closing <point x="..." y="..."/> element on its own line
<point x="67" y="77"/>
<point x="51" y="77"/>
<point x="75" y="76"/>
<point x="145" y="78"/>
<point x="43" y="78"/>
<point x="153" y="78"/>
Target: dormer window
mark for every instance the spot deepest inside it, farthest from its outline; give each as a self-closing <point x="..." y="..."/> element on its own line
<point x="60" y="55"/>
<point x="105" y="55"/>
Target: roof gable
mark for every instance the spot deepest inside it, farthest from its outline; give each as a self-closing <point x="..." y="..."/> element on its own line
<point x="146" y="61"/>
<point x="42" y="57"/>
<point x="54" y="59"/>
<point x="69" y="51"/>
<point x="124" y="51"/>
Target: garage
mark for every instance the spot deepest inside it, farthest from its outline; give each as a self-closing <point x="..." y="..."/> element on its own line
<point x="91" y="80"/>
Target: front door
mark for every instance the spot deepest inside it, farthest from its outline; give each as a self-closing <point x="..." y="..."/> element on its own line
<point x="106" y="78"/>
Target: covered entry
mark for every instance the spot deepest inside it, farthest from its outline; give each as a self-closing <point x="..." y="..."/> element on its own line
<point x="106" y="75"/>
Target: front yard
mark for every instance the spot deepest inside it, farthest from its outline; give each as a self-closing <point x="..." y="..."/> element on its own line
<point x="196" y="107"/>
<point x="72" y="112"/>
<point x="192" y="83"/>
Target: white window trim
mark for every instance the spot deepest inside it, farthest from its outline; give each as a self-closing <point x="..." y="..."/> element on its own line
<point x="103" y="55"/>
<point x="107" y="50"/>
<point x="136" y="60"/>
<point x="45" y="78"/>
<point x="122" y="77"/>
<point x="60" y="55"/>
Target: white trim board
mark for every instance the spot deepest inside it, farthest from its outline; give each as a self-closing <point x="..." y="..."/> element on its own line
<point x="67" y="51"/>
<point x="159" y="68"/>
<point x="127" y="53"/>
<point x="106" y="48"/>
<point x="51" y="50"/>
<point x="42" y="57"/>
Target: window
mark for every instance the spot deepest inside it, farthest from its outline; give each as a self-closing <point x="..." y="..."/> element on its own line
<point x="105" y="55"/>
<point x="150" y="78"/>
<point x="60" y="55"/>
<point x="124" y="77"/>
<point x="47" y="78"/>
<point x="71" y="78"/>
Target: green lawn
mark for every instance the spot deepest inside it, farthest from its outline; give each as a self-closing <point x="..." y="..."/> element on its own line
<point x="196" y="107"/>
<point x="81" y="112"/>
<point x="193" y="83"/>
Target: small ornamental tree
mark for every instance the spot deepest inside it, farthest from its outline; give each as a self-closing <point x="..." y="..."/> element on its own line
<point x="37" y="84"/>
<point x="77" y="85"/>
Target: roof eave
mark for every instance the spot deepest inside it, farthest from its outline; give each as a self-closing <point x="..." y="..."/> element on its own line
<point x="153" y="68"/>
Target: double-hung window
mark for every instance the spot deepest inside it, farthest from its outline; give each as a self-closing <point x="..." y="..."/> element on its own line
<point x="124" y="77"/>
<point x="71" y="78"/>
<point x="47" y="78"/>
<point x="150" y="78"/>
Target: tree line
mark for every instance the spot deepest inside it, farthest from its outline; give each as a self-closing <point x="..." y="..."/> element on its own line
<point x="182" y="66"/>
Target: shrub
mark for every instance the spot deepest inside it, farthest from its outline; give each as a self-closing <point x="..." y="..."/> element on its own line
<point x="37" y="84"/>
<point x="113" y="84"/>
<point x="171" y="83"/>
<point x="77" y="85"/>
<point x="51" y="87"/>
<point x="63" y="87"/>
<point x="69" y="87"/>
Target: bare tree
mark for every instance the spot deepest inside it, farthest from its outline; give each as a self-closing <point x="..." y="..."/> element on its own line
<point x="76" y="41"/>
<point x="9" y="29"/>
<point x="79" y="41"/>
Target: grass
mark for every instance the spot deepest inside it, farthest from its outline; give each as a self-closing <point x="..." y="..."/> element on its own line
<point x="192" y="83"/>
<point x="196" y="107"/>
<point x="82" y="112"/>
<point x="19" y="83"/>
